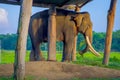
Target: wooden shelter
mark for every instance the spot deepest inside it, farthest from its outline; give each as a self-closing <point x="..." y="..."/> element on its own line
<point x="25" y="13"/>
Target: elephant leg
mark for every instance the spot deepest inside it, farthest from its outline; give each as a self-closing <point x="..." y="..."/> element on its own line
<point x="38" y="54"/>
<point x="68" y="48"/>
<point x="33" y="50"/>
<point x="32" y="55"/>
<point x="36" y="57"/>
<point x="63" y="56"/>
<point x="73" y="56"/>
<point x="41" y="56"/>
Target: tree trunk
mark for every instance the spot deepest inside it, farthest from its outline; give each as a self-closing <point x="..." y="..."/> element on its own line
<point x="110" y="24"/>
<point x="19" y="65"/>
<point x="52" y="34"/>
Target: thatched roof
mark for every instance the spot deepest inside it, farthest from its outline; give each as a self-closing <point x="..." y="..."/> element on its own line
<point x="47" y="3"/>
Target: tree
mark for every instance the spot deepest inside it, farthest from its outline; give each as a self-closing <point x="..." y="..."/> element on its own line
<point x="116" y="41"/>
<point x="98" y="41"/>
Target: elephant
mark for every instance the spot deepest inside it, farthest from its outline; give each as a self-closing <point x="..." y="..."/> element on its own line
<point x="68" y="25"/>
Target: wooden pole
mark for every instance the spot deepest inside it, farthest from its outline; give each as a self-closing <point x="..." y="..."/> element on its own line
<point x="52" y="34"/>
<point x="77" y="9"/>
<point x="110" y="24"/>
<point x="19" y="65"/>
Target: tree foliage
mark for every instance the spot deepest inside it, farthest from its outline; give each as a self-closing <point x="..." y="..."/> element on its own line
<point x="8" y="42"/>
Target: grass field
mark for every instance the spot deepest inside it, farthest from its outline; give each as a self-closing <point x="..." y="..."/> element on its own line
<point x="87" y="59"/>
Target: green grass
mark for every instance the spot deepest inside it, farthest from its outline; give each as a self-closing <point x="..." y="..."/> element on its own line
<point x="36" y="78"/>
<point x="26" y="78"/>
<point x="6" y="78"/>
<point x="8" y="56"/>
<point x="96" y="79"/>
<point x="87" y="59"/>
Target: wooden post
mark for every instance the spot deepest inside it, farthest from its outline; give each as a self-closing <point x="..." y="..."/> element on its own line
<point x="19" y="65"/>
<point x="52" y="34"/>
<point x="110" y="24"/>
<point x="77" y="9"/>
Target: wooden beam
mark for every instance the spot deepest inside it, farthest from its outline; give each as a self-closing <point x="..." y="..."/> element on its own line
<point x="18" y="3"/>
<point x="9" y="2"/>
<point x="52" y="34"/>
<point x="110" y="24"/>
<point x="84" y="3"/>
<point x="19" y="65"/>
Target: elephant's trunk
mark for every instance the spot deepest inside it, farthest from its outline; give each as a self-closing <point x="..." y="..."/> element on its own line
<point x="91" y="48"/>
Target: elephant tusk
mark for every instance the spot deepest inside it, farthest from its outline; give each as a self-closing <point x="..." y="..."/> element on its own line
<point x="94" y="52"/>
<point x="91" y="48"/>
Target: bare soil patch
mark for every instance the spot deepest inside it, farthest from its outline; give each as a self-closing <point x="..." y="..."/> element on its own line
<point x="61" y="71"/>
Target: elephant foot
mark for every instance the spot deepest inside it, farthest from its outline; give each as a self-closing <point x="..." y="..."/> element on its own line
<point x="42" y="59"/>
<point x="32" y="59"/>
<point x="66" y="61"/>
<point x="36" y="59"/>
<point x="52" y="60"/>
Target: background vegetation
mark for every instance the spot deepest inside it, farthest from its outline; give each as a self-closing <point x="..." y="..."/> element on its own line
<point x="8" y="42"/>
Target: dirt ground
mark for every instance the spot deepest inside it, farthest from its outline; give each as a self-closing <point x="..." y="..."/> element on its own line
<point x="61" y="71"/>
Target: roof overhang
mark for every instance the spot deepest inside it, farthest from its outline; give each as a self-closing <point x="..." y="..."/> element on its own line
<point x="48" y="3"/>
